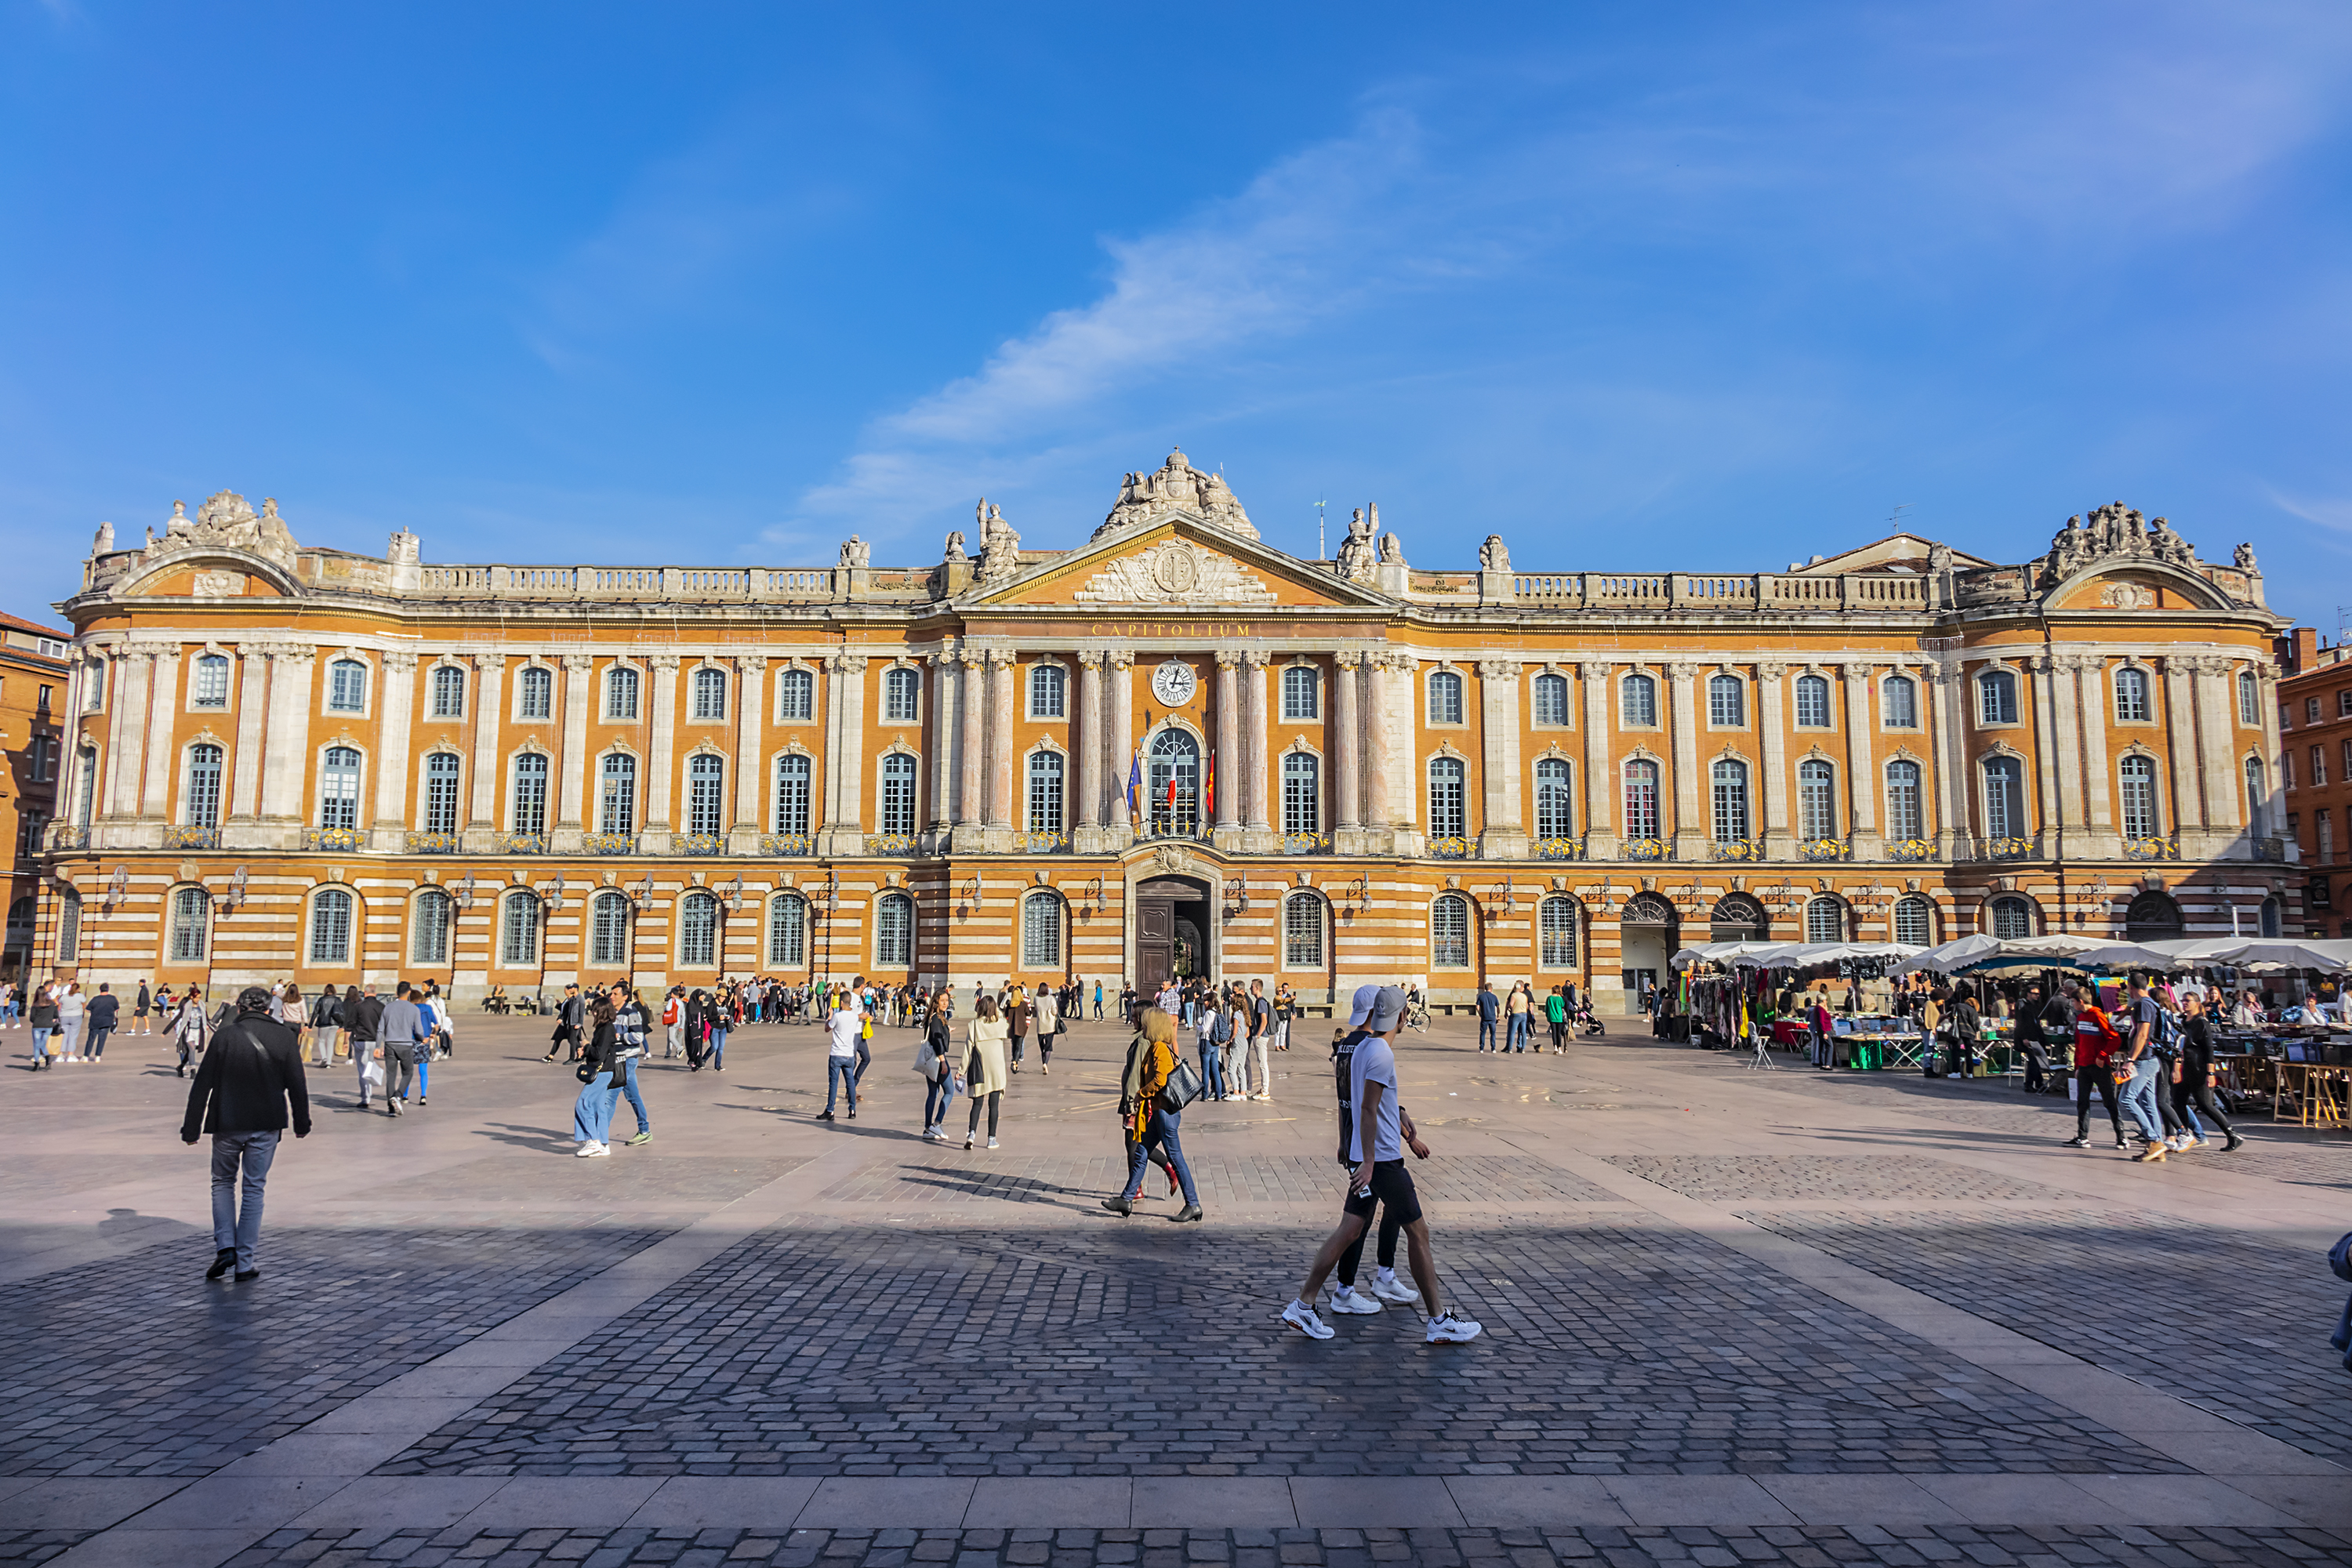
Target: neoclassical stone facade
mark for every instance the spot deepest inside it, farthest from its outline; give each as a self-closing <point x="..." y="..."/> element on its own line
<point x="1172" y="747"/>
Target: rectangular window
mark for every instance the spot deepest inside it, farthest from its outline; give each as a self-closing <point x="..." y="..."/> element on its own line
<point x="1730" y="786"/>
<point x="2310" y="710"/>
<point x="346" y="686"/>
<point x="1302" y="809"/>
<point x="1447" y="817"/>
<point x="2318" y="767"/>
<point x="441" y="793"/>
<point x="2286" y="770"/>
<point x="1997" y="697"/>
<point x="2344" y="703"/>
<point x="1727" y="701"/>
<point x="44" y="703"/>
<point x="1901" y="702"/>
<point x="1299" y="693"/>
<point x="1642" y="800"/>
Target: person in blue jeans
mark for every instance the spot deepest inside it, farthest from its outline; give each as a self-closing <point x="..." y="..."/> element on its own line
<point x="1213" y="1066"/>
<point x="1490" y="1008"/>
<point x="843" y="1029"/>
<point x="1149" y="1125"/>
<point x="592" y="1113"/>
<point x="629" y="1023"/>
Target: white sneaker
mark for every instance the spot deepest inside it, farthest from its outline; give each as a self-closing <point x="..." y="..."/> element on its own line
<point x="1301" y="1315"/>
<point x="992" y="1143"/>
<point x="1394" y="1289"/>
<point x="594" y="1152"/>
<point x="1347" y="1299"/>
<point x="2190" y="1142"/>
<point x="1445" y="1329"/>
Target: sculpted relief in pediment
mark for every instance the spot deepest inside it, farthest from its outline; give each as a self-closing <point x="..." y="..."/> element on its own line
<point x="1174" y="572"/>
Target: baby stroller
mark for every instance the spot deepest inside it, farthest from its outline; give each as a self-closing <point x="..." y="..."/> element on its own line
<point x="1585" y="1022"/>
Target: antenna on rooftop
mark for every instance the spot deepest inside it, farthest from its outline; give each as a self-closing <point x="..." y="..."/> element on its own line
<point x="1894" y="517"/>
<point x="1319" y="552"/>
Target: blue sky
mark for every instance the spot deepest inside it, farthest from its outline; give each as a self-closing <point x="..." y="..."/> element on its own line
<point x="1634" y="285"/>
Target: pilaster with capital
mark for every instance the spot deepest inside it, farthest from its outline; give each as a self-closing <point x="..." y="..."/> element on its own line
<point x="1599" y="767"/>
<point x="1118" y="675"/>
<point x="286" y="756"/>
<point x="1087" y="740"/>
<point x="2101" y="839"/>
<point x="1691" y="827"/>
<point x="2045" y="747"/>
<point x="945" y="718"/>
<point x="661" y="734"/>
<point x="1402" y="677"/>
<point x="1503" y="832"/>
<point x="1223" y="769"/>
<point x="2187" y="813"/>
<point x="1379" y="760"/>
<point x="1004" y="739"/>
<point x="1860" y="764"/>
<point x="579" y="681"/>
<point x="164" y="687"/>
<point x="844" y="769"/>
<point x="1955" y="818"/>
<point x="252" y="723"/>
<point x="1771" y="721"/>
<point x="132" y="669"/>
<point x="2066" y="745"/>
<point x="2217" y="740"/>
<point x="1346" y="744"/>
<point x="394" y="714"/>
<point x="748" y="776"/>
<point x="489" y="772"/>
<point x="970" y="808"/>
<point x="1256" y="734"/>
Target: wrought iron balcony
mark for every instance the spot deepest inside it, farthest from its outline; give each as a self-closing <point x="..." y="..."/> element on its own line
<point x="609" y="843"/>
<point x="1307" y="843"/>
<point x="2158" y="848"/>
<point x="432" y="843"/>
<point x="699" y="844"/>
<point x="1825" y="849"/>
<point x="1560" y="849"/>
<point x="1033" y="843"/>
<point x="1740" y="850"/>
<point x="2008" y="848"/>
<point x="1648" y="850"/>
<point x="902" y="843"/>
<point x="521" y="843"/>
<point x="787" y="844"/>
<point x="1450" y="849"/>
<point x="1910" y="849"/>
<point x="333" y="839"/>
<point x="178" y="837"/>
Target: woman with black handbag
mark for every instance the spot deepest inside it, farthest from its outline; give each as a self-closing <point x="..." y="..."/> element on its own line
<point x="1154" y="1090"/>
<point x="592" y="1113"/>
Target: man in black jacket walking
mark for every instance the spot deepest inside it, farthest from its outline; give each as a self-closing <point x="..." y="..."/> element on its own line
<point x="252" y="1073"/>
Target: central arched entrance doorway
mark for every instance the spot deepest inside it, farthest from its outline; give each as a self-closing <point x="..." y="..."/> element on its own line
<point x="1175" y="927"/>
<point x="1646" y="936"/>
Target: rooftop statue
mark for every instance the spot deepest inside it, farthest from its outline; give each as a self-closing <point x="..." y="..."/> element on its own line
<point x="1358" y="555"/>
<point x="1000" y="547"/>
<point x="856" y="551"/>
<point x="1178" y="486"/>
<point x="226" y="522"/>
<point x="2109" y="530"/>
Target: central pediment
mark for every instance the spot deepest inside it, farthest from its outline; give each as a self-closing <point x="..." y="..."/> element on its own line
<point x="1181" y="562"/>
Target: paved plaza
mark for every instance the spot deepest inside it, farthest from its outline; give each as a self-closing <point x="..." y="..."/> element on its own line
<point x="1730" y="1317"/>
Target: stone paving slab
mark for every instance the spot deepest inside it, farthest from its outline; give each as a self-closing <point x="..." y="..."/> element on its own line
<point x="1614" y="1348"/>
<point x="953" y="1176"/>
<point x="2203" y="1316"/>
<point x="1761" y="1178"/>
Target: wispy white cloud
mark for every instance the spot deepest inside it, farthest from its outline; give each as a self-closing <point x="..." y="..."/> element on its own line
<point x="2323" y="511"/>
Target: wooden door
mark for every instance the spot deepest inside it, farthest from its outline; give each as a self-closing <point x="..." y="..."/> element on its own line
<point x="1155" y="943"/>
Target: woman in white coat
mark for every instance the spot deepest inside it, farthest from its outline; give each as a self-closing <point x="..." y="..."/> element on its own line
<point x="986" y="1071"/>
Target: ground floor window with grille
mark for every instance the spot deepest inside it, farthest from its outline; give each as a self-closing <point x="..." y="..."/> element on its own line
<point x="2012" y="918"/>
<point x="698" y="928"/>
<point x="1915" y="921"/>
<point x="787" y="930"/>
<point x="68" y="927"/>
<point x="1557" y="921"/>
<point x="608" y="929"/>
<point x="519" y="930"/>
<point x="1041" y="932"/>
<point x="1302" y="931"/>
<point x="430" y="934"/>
<point x="331" y="927"/>
<point x="1449" y="932"/>
<point x="894" y="931"/>
<point x="191" y="910"/>
<point x="1824" y="920"/>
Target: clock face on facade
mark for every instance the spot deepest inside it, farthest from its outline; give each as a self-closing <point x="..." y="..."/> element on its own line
<point x="1174" y="683"/>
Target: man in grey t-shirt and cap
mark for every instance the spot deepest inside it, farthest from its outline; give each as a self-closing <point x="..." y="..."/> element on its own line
<point x="1376" y="1146"/>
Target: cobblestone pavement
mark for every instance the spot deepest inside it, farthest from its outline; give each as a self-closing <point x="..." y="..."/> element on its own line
<point x="1612" y="1348"/>
<point x="1893" y="1178"/>
<point x="2205" y="1316"/>
<point x="936" y="1177"/>
<point x="1684" y="1546"/>
<point x="141" y="1367"/>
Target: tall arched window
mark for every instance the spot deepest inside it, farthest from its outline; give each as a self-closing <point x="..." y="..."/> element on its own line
<point x="2004" y="792"/>
<point x="898" y="814"/>
<point x="331" y="926"/>
<point x="208" y="681"/>
<point x="795" y="695"/>
<point x="519" y="930"/>
<point x="1302" y="931"/>
<point x="1556" y="933"/>
<point x="2011" y="918"/>
<point x="1301" y="699"/>
<point x="709" y="693"/>
<point x="698" y="931"/>
<point x="69" y="926"/>
<point x="621" y="692"/>
<point x="1044" y="792"/>
<point x="192" y="914"/>
<point x="1905" y="819"/>
<point x="1449" y="932"/>
<point x="449" y="691"/>
<point x="86" y="787"/>
<point x="2250" y="699"/>
<point x="706" y="795"/>
<point x="1915" y="921"/>
<point x="1729" y="778"/>
<point x="894" y="931"/>
<point x="608" y="929"/>
<point x="1049" y="695"/>
<point x="1997" y="697"/>
<point x="616" y="794"/>
<point x="1812" y="703"/>
<point x="429" y="928"/>
<point x="346" y="687"/>
<point x="529" y="812"/>
<point x="1302" y="795"/>
<point x="1727" y="700"/>
<point x="1445" y="697"/>
<point x="787" y="932"/>
<point x="339" y="788"/>
<point x="902" y="696"/>
<point x="1555" y="805"/>
<point x="1552" y="699"/>
<point x="535" y="692"/>
<point x="2257" y="799"/>
<point x="1448" y="811"/>
<point x="441" y="792"/>
<point x="1174" y="781"/>
<point x="2137" y="777"/>
<point x="1900" y="702"/>
<point x="2132" y="705"/>
<point x="1824" y="920"/>
<point x="792" y="793"/>
<point x="1637" y="700"/>
<point x="2270" y="917"/>
<point x="204" y="787"/>
<point x="1816" y="799"/>
<point x="1642" y="800"/>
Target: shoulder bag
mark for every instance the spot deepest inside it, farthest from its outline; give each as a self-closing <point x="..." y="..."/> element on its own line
<point x="1183" y="1087"/>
